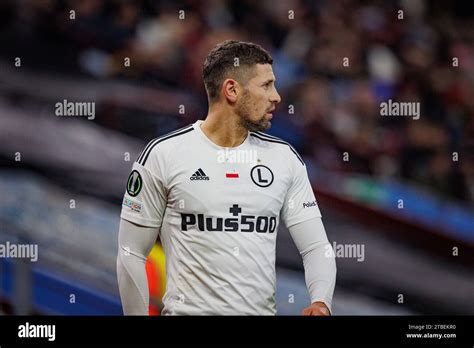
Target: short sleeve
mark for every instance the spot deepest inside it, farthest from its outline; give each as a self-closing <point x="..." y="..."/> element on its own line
<point x="144" y="201"/>
<point x="300" y="203"/>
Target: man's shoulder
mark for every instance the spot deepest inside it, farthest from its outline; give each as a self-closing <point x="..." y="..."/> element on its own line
<point x="161" y="145"/>
<point x="271" y="142"/>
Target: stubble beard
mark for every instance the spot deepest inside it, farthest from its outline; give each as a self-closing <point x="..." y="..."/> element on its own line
<point x="245" y="119"/>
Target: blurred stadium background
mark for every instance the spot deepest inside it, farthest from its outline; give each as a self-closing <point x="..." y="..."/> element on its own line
<point x="62" y="178"/>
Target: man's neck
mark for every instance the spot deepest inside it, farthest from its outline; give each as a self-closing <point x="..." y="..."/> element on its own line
<point x="223" y="130"/>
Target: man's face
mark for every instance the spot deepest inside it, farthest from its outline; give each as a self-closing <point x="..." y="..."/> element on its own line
<point x="258" y="100"/>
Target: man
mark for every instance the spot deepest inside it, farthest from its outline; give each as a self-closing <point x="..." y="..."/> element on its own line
<point x="217" y="216"/>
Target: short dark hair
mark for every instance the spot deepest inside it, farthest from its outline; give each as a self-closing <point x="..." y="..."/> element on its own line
<point x="219" y="63"/>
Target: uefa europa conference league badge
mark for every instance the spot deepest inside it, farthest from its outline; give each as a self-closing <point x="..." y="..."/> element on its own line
<point x="134" y="183"/>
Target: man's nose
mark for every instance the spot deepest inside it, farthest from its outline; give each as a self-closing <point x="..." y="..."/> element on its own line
<point x="276" y="98"/>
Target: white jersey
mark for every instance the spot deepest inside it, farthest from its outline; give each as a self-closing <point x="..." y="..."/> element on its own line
<point x="218" y="211"/>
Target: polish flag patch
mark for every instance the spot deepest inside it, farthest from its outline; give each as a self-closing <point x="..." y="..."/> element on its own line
<point x="231" y="175"/>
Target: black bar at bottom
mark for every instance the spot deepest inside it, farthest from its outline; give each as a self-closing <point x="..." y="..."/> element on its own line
<point x="411" y="330"/>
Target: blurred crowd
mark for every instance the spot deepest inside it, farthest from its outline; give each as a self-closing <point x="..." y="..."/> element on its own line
<point x="335" y="62"/>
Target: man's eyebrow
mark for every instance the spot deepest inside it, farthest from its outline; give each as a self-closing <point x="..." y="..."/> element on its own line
<point x="269" y="80"/>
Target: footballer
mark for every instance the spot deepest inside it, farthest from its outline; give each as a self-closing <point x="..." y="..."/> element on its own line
<point x="218" y="219"/>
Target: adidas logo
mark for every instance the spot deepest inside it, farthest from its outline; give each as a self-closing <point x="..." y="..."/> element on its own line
<point x="199" y="175"/>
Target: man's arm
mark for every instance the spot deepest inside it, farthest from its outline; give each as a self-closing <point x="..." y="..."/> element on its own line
<point x="134" y="244"/>
<point x="143" y="207"/>
<point x="319" y="264"/>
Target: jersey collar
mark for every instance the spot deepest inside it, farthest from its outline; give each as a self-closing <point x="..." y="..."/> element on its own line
<point x="197" y="127"/>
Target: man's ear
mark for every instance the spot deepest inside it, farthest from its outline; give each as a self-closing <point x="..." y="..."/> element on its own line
<point x="230" y="90"/>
